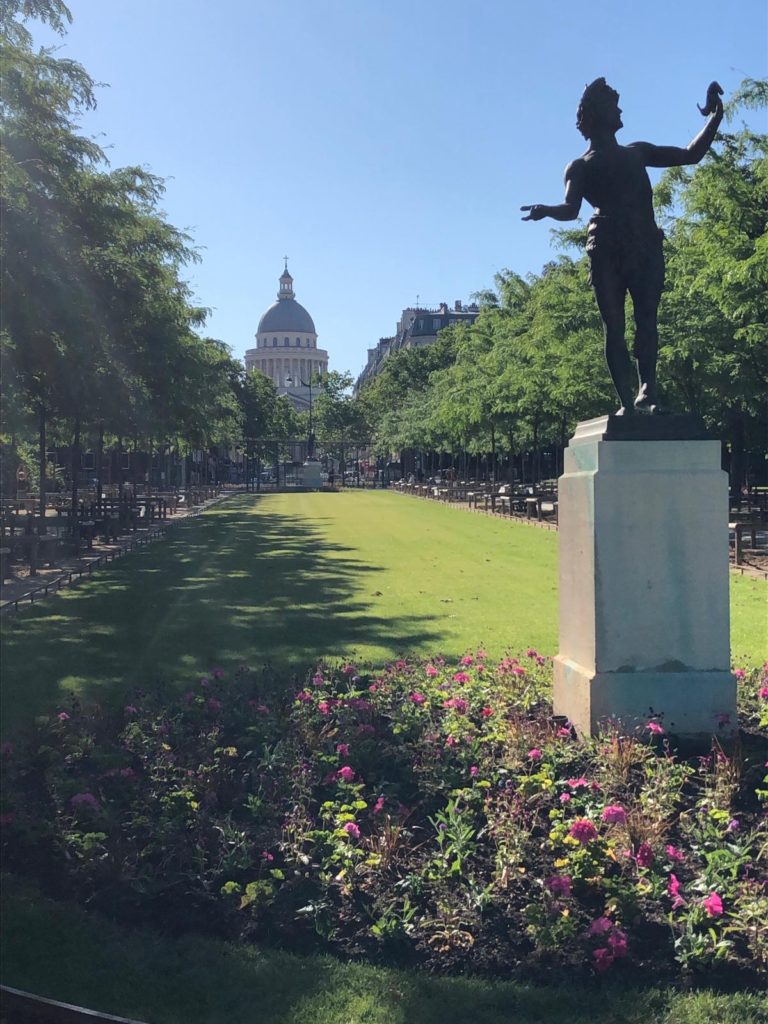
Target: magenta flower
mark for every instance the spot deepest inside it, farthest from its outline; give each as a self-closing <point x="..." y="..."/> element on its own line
<point x="674" y="854"/>
<point x="417" y="698"/>
<point x="350" y="669"/>
<point x="518" y="671"/>
<point x="451" y="741"/>
<point x="482" y="654"/>
<point x="486" y="712"/>
<point x="560" y="885"/>
<point x="63" y="716"/>
<point x="467" y="660"/>
<point x="431" y="671"/>
<point x="563" y="733"/>
<point x="673" y="888"/>
<point x="614" y="814"/>
<point x="531" y="653"/>
<point x="713" y="905"/>
<point x="655" y="728"/>
<point x="565" y="798"/>
<point x="457" y="703"/>
<point x="473" y="770"/>
<point x="318" y="679"/>
<point x="378" y="807"/>
<point x="617" y="940"/>
<point x="342" y="749"/>
<point x="763" y="692"/>
<point x="644" y="856"/>
<point x="577" y="783"/>
<point x="324" y="707"/>
<point x="352" y="830"/>
<point x="346" y="774"/>
<point x="267" y="856"/>
<point x="600" y="926"/>
<point x="460" y="677"/>
<point x="739" y="673"/>
<point x="85" y="800"/>
<point x="583" y="830"/>
<point x="603" y="959"/>
<point x="534" y="754"/>
<point x="303" y="697"/>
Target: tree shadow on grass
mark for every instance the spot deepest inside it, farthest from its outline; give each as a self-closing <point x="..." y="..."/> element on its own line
<point x="226" y="588"/>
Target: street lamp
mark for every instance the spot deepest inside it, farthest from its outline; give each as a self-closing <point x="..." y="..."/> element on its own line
<point x="311" y="439"/>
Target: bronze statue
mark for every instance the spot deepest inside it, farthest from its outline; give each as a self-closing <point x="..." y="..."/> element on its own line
<point x="624" y="243"/>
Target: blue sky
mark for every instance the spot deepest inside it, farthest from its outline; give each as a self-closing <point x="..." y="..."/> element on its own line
<point x="384" y="145"/>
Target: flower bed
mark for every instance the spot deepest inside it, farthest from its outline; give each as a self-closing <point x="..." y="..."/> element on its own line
<point x="430" y="811"/>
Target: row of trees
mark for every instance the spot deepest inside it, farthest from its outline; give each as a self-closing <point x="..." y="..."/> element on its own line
<point x="521" y="377"/>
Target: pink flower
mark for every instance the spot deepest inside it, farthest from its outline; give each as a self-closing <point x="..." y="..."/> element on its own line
<point x="614" y="814"/>
<point x="560" y="885"/>
<point x="431" y="671"/>
<point x="63" y="716"/>
<point x="451" y="741"/>
<point x="577" y="783"/>
<point x="486" y="712"/>
<point x="565" y="798"/>
<point x="531" y="653"/>
<point x="378" y="807"/>
<point x="534" y="754"/>
<point x="655" y="728"/>
<point x="460" y="677"/>
<point x="417" y="698"/>
<point x="467" y="660"/>
<point x="482" y="654"/>
<point x="518" y="671"/>
<point x="350" y="669"/>
<point x="129" y="709"/>
<point x="318" y="679"/>
<point x="458" y="703"/>
<point x="674" y="854"/>
<point x="352" y="829"/>
<point x="563" y="733"/>
<point x="346" y="774"/>
<point x="617" y="940"/>
<point x="324" y="707"/>
<point x="603" y="959"/>
<point x="303" y="697"/>
<point x="644" y="856"/>
<point x="540" y="660"/>
<point x="739" y="673"/>
<point x="763" y="692"/>
<point x="673" y="888"/>
<point x="473" y="770"/>
<point x="342" y="749"/>
<point x="713" y="905"/>
<point x="267" y="856"/>
<point x="600" y="926"/>
<point x="583" y="830"/>
<point x="85" y="800"/>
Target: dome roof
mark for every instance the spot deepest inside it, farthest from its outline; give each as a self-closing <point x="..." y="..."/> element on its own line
<point x="286" y="315"/>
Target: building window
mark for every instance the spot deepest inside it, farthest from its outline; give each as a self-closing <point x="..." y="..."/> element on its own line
<point x="274" y="343"/>
<point x="286" y="341"/>
<point x="298" y="343"/>
<point x="435" y="324"/>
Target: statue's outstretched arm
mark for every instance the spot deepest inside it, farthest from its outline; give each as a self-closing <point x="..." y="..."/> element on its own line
<point x="569" y="208"/>
<point x="675" y="156"/>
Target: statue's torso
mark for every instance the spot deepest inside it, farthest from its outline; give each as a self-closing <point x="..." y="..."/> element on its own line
<point x="615" y="182"/>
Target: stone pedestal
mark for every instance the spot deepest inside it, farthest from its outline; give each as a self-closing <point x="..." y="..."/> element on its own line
<point x="311" y="474"/>
<point x="644" y="601"/>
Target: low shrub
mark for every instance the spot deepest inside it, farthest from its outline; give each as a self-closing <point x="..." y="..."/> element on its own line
<point x="427" y="811"/>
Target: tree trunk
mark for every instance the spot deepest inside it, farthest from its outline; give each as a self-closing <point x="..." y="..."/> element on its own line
<point x="99" y="465"/>
<point x="75" y="466"/>
<point x="42" y="467"/>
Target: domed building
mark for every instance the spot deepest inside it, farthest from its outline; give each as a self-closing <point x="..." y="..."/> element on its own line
<point x="286" y="346"/>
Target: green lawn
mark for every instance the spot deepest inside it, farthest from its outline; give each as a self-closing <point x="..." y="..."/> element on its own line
<point x="60" y="951"/>
<point x="287" y="578"/>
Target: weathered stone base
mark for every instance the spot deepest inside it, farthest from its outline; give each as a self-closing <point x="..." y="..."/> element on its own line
<point x="693" y="704"/>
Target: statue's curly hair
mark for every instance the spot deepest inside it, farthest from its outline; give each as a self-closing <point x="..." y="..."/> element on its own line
<point x="594" y="100"/>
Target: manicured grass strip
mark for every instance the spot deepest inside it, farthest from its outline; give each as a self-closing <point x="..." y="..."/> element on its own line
<point x="59" y="951"/>
<point x="289" y="578"/>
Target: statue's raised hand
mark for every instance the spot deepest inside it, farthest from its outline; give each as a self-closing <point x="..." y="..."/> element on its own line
<point x="537" y="212"/>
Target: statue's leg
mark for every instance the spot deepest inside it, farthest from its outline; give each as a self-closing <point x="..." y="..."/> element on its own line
<point x="610" y="292"/>
<point x="645" y="289"/>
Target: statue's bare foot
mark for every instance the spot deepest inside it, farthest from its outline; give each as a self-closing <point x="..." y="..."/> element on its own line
<point x="647" y="406"/>
<point x="625" y="410"/>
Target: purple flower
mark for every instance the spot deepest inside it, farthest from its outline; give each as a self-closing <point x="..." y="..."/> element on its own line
<point x="218" y="673"/>
<point x="600" y="926"/>
<point x="85" y="800"/>
<point x="583" y="830"/>
<point x="352" y="830"/>
<point x="644" y="856"/>
<point x="534" y="754"/>
<point x="560" y="885"/>
<point x="614" y="814"/>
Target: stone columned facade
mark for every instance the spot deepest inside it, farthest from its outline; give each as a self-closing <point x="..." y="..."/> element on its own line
<point x="286" y="346"/>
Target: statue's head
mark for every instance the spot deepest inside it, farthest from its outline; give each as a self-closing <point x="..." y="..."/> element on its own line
<point x="598" y="109"/>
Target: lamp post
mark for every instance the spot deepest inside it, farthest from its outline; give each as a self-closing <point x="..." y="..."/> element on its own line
<point x="306" y="384"/>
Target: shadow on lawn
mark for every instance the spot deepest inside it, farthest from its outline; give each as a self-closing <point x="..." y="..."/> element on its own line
<point x="227" y="588"/>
